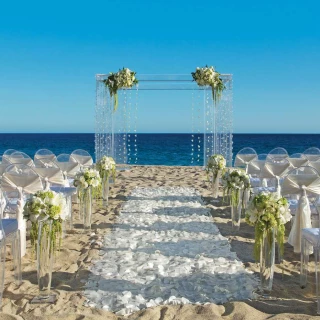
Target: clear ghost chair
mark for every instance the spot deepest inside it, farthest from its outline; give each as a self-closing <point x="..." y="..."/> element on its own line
<point x="278" y="154"/>
<point x="312" y="154"/>
<point x="51" y="174"/>
<point x="8" y="153"/>
<point x="244" y="156"/>
<point x="273" y="169"/>
<point x="19" y="157"/>
<point x="23" y="180"/>
<point x="254" y="170"/>
<point x="3" y="166"/>
<point x="315" y="164"/>
<point x="9" y="234"/>
<point x="42" y="156"/>
<point x="68" y="165"/>
<point x="82" y="157"/>
<point x="297" y="160"/>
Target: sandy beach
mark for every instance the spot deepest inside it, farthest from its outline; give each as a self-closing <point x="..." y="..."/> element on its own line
<point x="71" y="267"/>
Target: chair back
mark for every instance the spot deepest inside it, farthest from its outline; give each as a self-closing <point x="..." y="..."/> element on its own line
<point x="277" y="154"/>
<point x="312" y="154"/>
<point x="82" y="157"/>
<point x="21" y="176"/>
<point x="244" y="156"/>
<point x="297" y="160"/>
<point x="19" y="157"/>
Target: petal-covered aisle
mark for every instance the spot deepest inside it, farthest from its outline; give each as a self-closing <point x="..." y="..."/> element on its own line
<point x="165" y="249"/>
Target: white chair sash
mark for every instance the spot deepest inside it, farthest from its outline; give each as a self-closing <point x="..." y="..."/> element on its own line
<point x="300" y="184"/>
<point x="302" y="220"/>
<point x="315" y="164"/>
<point x="244" y="159"/>
<point x="298" y="162"/>
<point x="52" y="175"/>
<point x="83" y="160"/>
<point x="255" y="166"/>
<point x="26" y="161"/>
<point x="71" y="168"/>
<point x="29" y="183"/>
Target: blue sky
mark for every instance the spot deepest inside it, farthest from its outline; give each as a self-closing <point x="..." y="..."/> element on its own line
<point x="51" y="51"/>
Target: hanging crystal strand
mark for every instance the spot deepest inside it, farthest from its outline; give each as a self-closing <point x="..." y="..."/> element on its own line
<point x="129" y="126"/>
<point x="124" y="129"/>
<point x="198" y="140"/>
<point x="135" y="128"/>
<point x="208" y="125"/>
<point x="192" y="127"/>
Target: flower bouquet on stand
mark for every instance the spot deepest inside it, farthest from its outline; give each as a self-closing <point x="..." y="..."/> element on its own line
<point x="208" y="76"/>
<point x="215" y="166"/>
<point x="84" y="182"/>
<point x="236" y="183"/>
<point x="107" y="168"/>
<point x="124" y="78"/>
<point x="46" y="210"/>
<point x="268" y="214"/>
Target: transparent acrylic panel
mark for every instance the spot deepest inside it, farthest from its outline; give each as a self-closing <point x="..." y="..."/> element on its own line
<point x="210" y="127"/>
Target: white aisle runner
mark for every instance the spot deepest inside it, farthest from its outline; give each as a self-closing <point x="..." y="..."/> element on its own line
<point x="165" y="249"/>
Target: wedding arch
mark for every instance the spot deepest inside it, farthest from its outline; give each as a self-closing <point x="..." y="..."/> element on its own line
<point x="212" y="123"/>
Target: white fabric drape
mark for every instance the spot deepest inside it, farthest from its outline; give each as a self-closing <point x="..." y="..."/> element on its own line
<point x="83" y="160"/>
<point x="52" y="175"/>
<point x="301" y="184"/>
<point x="70" y="168"/>
<point x="244" y="159"/>
<point x="29" y="183"/>
<point x="297" y="162"/>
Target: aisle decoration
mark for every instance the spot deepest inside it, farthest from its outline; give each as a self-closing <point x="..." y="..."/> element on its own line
<point x="124" y="78"/>
<point x="46" y="210"/>
<point x="268" y="213"/>
<point x="236" y="183"/>
<point x="107" y="168"/>
<point x="208" y="76"/>
<point x="215" y="166"/>
<point x="84" y="182"/>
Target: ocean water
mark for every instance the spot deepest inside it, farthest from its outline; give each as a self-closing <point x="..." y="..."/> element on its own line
<point x="155" y="149"/>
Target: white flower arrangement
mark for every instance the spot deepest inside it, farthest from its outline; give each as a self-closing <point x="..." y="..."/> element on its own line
<point x="265" y="212"/>
<point x="208" y="76"/>
<point x="106" y="166"/>
<point x="233" y="181"/>
<point x="87" y="178"/>
<point x="42" y="206"/>
<point x="216" y="163"/>
<point x="124" y="78"/>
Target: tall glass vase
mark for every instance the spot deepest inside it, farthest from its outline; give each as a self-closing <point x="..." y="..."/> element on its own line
<point x="267" y="256"/>
<point x="86" y="207"/>
<point x="44" y="259"/>
<point x="236" y="208"/>
<point x="105" y="189"/>
<point x="215" y="185"/>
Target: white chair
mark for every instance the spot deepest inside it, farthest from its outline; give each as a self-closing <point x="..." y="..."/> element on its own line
<point x="255" y="167"/>
<point x="82" y="157"/>
<point x="42" y="156"/>
<point x="19" y="157"/>
<point x="51" y="174"/>
<point x="243" y="158"/>
<point x="304" y="182"/>
<point x="298" y="160"/>
<point x="312" y="154"/>
<point x="68" y="165"/>
<point x="273" y="169"/>
<point x="9" y="234"/>
<point x="23" y="180"/>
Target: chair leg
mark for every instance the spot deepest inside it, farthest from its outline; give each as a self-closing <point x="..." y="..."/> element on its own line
<point x="304" y="263"/>
<point x="16" y="254"/>
<point x="2" y="267"/>
<point x="317" y="270"/>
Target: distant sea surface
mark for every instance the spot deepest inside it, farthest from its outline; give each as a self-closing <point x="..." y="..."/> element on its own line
<point x="155" y="149"/>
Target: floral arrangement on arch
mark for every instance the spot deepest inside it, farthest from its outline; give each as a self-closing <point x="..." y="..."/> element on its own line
<point x="234" y="181"/>
<point x="216" y="163"/>
<point x="268" y="211"/>
<point x="42" y="206"/>
<point x="208" y="76"/>
<point x="124" y="78"/>
<point x="87" y="178"/>
<point x="107" y="166"/>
